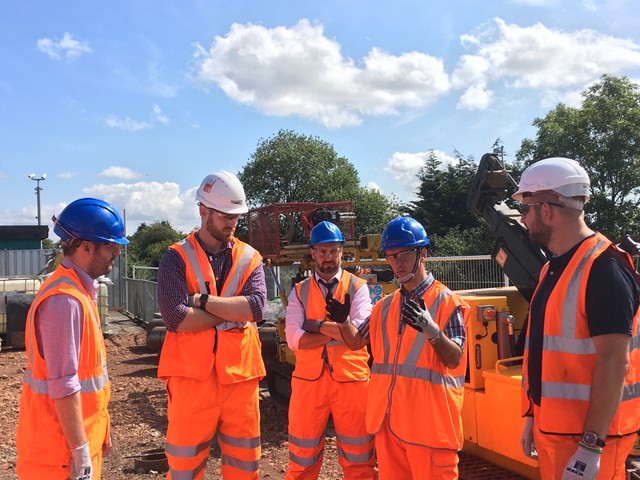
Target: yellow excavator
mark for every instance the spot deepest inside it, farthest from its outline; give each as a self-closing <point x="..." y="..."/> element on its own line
<point x="491" y="415"/>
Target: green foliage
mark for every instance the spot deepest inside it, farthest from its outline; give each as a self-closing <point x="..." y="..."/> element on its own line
<point x="457" y="242"/>
<point x="48" y="243"/>
<point x="290" y="167"/>
<point x="442" y="194"/>
<point x="604" y="135"/>
<point x="149" y="243"/>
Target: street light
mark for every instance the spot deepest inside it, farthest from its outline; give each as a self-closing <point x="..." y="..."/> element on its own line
<point x="38" y="189"/>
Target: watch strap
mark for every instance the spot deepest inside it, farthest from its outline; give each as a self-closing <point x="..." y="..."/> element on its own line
<point x="203" y="301"/>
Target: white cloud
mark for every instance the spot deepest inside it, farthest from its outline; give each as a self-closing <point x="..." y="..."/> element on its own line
<point x="122" y="173"/>
<point x="540" y="58"/>
<point x="404" y="167"/>
<point x="476" y="97"/>
<point x="149" y="202"/>
<point x="299" y="71"/>
<point x="67" y="48"/>
<point x="373" y="186"/>
<point x="67" y="175"/>
<point x="126" y="123"/>
<point x="159" y="116"/>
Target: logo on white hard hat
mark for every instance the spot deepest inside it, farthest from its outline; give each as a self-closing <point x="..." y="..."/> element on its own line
<point x="207" y="187"/>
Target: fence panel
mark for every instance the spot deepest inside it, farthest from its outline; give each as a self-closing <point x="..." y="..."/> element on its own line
<point x="141" y="298"/>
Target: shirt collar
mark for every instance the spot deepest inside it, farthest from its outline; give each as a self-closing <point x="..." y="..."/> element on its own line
<point x="337" y="276"/>
<point x="89" y="284"/>
<point x="421" y="287"/>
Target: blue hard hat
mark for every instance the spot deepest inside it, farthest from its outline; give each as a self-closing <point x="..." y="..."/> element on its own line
<point x="325" y="232"/>
<point x="90" y="219"/>
<point x="404" y="232"/>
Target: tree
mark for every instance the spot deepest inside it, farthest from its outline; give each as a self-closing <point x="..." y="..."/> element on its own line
<point x="149" y="243"/>
<point x="604" y="136"/>
<point x="442" y="195"/>
<point x="290" y="167"/>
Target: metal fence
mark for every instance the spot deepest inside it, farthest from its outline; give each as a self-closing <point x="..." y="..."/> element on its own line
<point x="457" y="273"/>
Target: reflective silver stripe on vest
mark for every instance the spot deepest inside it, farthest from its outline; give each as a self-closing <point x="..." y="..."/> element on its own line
<point x="355" y="457"/>
<point x="426" y="374"/>
<point x="89" y="385"/>
<point x="386" y="345"/>
<point x="421" y="339"/>
<point x="578" y="346"/>
<point x="567" y="391"/>
<point x="634" y="343"/>
<point x="305" y="442"/>
<point x="246" y="465"/>
<point x="241" y="442"/>
<point x="354" y="441"/>
<point x="232" y="285"/>
<point x="193" y="261"/>
<point x="186" y="451"/>
<point x="188" y="474"/>
<point x="631" y="392"/>
<point x="570" y="301"/>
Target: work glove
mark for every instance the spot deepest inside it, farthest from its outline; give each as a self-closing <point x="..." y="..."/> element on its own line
<point x="338" y="312"/>
<point x="584" y="465"/>
<point x="526" y="439"/>
<point x="81" y="463"/>
<point x="312" y="326"/>
<point x="419" y="318"/>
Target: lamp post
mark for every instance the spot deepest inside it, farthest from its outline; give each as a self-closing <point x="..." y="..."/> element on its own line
<point x="38" y="189"/>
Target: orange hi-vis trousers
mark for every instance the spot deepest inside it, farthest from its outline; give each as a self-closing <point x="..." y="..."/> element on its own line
<point x="196" y="411"/>
<point x="554" y="452"/>
<point x="28" y="470"/>
<point x="398" y="459"/>
<point x="309" y="409"/>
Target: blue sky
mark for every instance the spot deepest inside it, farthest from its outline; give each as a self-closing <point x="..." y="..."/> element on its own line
<point x="135" y="101"/>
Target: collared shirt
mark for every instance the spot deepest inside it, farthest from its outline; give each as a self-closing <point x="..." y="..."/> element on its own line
<point x="454" y="328"/>
<point x="360" y="310"/>
<point x="58" y="323"/>
<point x="172" y="285"/>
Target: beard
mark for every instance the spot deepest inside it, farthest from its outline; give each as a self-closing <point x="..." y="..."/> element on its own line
<point x="541" y="235"/>
<point x="224" y="235"/>
<point x="328" y="268"/>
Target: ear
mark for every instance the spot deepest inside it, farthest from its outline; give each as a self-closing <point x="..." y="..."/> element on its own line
<point x="203" y="211"/>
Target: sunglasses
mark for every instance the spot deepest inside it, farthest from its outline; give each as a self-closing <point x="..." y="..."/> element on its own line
<point x="524" y="207"/>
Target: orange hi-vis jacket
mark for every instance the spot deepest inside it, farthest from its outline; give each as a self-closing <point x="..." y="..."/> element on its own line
<point x="409" y="383"/>
<point x="344" y="365"/>
<point x="569" y="353"/>
<point x="232" y="347"/>
<point x="39" y="437"/>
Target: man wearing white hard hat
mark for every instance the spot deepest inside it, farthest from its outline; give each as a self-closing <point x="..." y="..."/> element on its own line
<point x="211" y="293"/>
<point x="581" y="370"/>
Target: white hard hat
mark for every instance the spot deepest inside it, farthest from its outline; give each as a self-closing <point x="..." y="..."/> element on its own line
<point x="222" y="191"/>
<point x="561" y="175"/>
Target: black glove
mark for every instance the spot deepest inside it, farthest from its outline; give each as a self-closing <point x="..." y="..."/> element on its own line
<point x="419" y="318"/>
<point x="338" y="312"/>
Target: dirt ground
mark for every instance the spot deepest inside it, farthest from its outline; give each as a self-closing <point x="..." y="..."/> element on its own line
<point x="138" y="410"/>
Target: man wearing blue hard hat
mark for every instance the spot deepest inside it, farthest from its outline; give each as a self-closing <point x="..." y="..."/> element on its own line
<point x="417" y="377"/>
<point x="329" y="378"/>
<point x="63" y="426"/>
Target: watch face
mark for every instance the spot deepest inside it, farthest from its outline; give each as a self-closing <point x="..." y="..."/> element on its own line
<point x="589" y="438"/>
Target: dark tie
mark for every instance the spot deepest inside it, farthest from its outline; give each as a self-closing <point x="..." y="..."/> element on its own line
<point x="329" y="286"/>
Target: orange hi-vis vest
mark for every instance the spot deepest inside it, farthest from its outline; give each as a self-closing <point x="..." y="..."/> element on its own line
<point x="39" y="437"/>
<point x="409" y="383"/>
<point x="344" y="365"/>
<point x="569" y="353"/>
<point x="232" y="347"/>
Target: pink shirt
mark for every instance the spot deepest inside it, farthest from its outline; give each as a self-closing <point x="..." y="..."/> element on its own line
<point x="360" y="310"/>
<point x="58" y="333"/>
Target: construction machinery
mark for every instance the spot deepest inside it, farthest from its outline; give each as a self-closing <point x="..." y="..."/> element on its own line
<point x="492" y="420"/>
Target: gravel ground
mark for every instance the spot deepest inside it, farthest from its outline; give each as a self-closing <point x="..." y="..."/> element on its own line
<point x="138" y="410"/>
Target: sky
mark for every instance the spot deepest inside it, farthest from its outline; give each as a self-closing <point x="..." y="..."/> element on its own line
<point x="136" y="101"/>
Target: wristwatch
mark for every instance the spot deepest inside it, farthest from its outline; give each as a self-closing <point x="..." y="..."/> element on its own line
<point x="590" y="439"/>
<point x="203" y="301"/>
